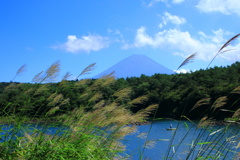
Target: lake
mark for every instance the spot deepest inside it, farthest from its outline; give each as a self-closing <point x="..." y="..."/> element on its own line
<point x="157" y="140"/>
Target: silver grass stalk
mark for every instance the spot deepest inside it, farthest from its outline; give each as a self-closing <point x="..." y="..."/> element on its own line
<point x="37" y="78"/>
<point x="230" y="41"/>
<point x="87" y="70"/>
<point x="110" y="75"/>
<point x="52" y="72"/>
<point x="188" y="60"/>
<point x="22" y="69"/>
<point x="49" y="75"/>
<point x="66" y="76"/>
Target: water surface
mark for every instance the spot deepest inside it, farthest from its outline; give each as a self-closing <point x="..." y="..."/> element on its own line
<point x="157" y="142"/>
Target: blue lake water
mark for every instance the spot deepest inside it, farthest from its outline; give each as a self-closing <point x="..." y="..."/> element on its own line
<point x="47" y="129"/>
<point x="158" y="141"/>
<point x="153" y="141"/>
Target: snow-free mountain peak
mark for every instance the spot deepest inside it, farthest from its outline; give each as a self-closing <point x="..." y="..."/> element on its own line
<point x="135" y="66"/>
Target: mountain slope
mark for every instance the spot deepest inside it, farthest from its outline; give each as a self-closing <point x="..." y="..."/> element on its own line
<point x="134" y="66"/>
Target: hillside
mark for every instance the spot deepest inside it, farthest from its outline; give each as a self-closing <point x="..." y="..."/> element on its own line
<point x="214" y="92"/>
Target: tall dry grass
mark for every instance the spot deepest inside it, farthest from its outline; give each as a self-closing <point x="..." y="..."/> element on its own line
<point x="91" y="131"/>
<point x="20" y="71"/>
<point x="94" y="131"/>
<point x="210" y="143"/>
<point x="225" y="45"/>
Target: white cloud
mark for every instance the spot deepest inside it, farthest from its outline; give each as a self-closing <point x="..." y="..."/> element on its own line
<point x="84" y="44"/>
<point x="153" y="2"/>
<point x="172" y="19"/>
<point x="217" y="37"/>
<point x="143" y="39"/>
<point x="178" y="1"/>
<point x="183" y="43"/>
<point x="222" y="6"/>
<point x="117" y="35"/>
<point x="182" y="71"/>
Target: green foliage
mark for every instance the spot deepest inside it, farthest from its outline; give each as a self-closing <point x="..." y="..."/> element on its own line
<point x="96" y="111"/>
<point x="23" y="143"/>
<point x="92" y="130"/>
<point x="175" y="94"/>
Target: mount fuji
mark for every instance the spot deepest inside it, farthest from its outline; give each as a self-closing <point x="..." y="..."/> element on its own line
<point x="135" y="66"/>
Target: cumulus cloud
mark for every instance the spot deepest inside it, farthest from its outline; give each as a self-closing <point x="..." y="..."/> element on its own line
<point x="84" y="44"/>
<point x="182" y="71"/>
<point x="167" y="17"/>
<point x="183" y="43"/>
<point x="222" y="6"/>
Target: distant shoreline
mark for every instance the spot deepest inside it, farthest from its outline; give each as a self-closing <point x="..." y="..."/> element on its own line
<point x="210" y="122"/>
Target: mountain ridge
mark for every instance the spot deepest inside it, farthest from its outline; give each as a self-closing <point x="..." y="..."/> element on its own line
<point x="135" y="66"/>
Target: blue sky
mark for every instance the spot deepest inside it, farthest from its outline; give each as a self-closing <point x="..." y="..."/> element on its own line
<point x="80" y="32"/>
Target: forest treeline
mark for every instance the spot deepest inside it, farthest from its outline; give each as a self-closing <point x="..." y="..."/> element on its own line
<point x="214" y="92"/>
